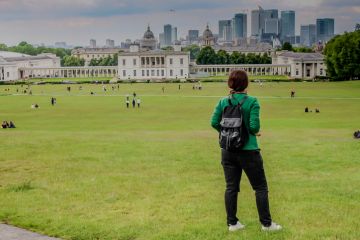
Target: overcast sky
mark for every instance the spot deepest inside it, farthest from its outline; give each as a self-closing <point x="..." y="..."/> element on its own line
<point x="76" y="21"/>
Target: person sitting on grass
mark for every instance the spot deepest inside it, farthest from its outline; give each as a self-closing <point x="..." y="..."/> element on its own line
<point x="4" y="124"/>
<point x="11" y="125"/>
<point x="317" y="110"/>
<point x="245" y="157"/>
<point x="306" y="109"/>
<point x="357" y="134"/>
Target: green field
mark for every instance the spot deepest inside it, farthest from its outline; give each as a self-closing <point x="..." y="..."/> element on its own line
<point x="88" y="168"/>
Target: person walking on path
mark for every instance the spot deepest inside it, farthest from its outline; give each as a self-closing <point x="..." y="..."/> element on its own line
<point x="133" y="102"/>
<point x="127" y="103"/>
<point x="247" y="158"/>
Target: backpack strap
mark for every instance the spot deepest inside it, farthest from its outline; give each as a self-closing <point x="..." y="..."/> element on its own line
<point x="240" y="103"/>
<point x="243" y="101"/>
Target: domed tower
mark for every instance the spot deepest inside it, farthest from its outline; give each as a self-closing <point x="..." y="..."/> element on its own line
<point x="148" y="42"/>
<point x="208" y="38"/>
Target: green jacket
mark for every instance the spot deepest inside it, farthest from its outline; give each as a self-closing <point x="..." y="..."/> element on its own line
<point x="251" y="111"/>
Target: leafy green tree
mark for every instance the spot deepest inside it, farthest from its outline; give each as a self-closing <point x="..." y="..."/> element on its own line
<point x="303" y="49"/>
<point x="222" y="57"/>
<point x="207" y="55"/>
<point x="342" y="56"/>
<point x="71" y="61"/>
<point x="266" y="59"/>
<point x="168" y="48"/>
<point x="287" y="46"/>
<point x="3" y="47"/>
<point x="357" y="27"/>
<point x="194" y="51"/>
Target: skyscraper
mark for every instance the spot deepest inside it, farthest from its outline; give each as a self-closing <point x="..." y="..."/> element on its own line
<point x="110" y="43"/>
<point x="239" y="26"/>
<point x="258" y="20"/>
<point x="193" y="35"/>
<point x="272" y="25"/>
<point x="225" y="30"/>
<point x="256" y="16"/>
<point x="92" y="43"/>
<point x="324" y="29"/>
<point x="308" y="35"/>
<point x="167" y="35"/>
<point x="162" y="39"/>
<point x="174" y="34"/>
<point x="287" y="24"/>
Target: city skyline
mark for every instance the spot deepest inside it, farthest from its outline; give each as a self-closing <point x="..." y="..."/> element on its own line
<point x="37" y="22"/>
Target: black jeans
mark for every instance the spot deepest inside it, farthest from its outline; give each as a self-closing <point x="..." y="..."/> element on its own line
<point x="252" y="164"/>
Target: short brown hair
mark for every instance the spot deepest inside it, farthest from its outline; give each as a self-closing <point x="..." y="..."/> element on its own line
<point x="238" y="80"/>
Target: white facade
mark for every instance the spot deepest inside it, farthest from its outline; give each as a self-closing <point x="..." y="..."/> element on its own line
<point x="11" y="64"/>
<point x="158" y="64"/>
<point x="303" y="65"/>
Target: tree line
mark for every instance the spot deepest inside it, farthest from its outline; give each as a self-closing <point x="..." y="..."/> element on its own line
<point x="64" y="54"/>
<point x="342" y="56"/>
<point x="207" y="55"/>
<point x="26" y="48"/>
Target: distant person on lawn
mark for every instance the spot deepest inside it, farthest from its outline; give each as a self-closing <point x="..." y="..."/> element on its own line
<point x="11" y="125"/>
<point x="4" y="124"/>
<point x="247" y="158"/>
<point x="133" y="102"/>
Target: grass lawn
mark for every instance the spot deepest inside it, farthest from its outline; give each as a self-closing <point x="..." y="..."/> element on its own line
<point x="88" y="168"/>
<point x="49" y="80"/>
<point x="251" y="77"/>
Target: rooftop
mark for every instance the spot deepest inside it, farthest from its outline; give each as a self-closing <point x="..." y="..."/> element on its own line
<point x="154" y="52"/>
<point x="302" y="56"/>
<point x="5" y="54"/>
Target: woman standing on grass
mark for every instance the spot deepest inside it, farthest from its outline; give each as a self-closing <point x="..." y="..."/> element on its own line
<point x="247" y="157"/>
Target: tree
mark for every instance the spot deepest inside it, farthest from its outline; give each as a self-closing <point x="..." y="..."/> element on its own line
<point x="207" y="55"/>
<point x="342" y="56"/>
<point x="71" y="61"/>
<point x="168" y="48"/>
<point x="194" y="51"/>
<point x="357" y="27"/>
<point x="303" y="49"/>
<point x="266" y="59"/>
<point x="222" y="57"/>
<point x="287" y="46"/>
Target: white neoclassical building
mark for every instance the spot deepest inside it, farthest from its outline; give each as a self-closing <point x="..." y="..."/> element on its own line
<point x="138" y="64"/>
<point x="302" y="65"/>
<point x="12" y="64"/>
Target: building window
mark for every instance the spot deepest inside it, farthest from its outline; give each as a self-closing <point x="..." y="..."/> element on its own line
<point x="158" y="72"/>
<point x="143" y="73"/>
<point x="162" y="61"/>
<point x="124" y="62"/>
<point x="181" y="72"/>
<point x="134" y="62"/>
<point x="171" y="73"/>
<point x="181" y="61"/>
<point x="147" y="73"/>
<point x="134" y="73"/>
<point x="152" y="73"/>
<point x="171" y="61"/>
<point x="124" y="73"/>
<point x="162" y="73"/>
<point x="321" y="71"/>
<point x="8" y="74"/>
<point x="297" y="72"/>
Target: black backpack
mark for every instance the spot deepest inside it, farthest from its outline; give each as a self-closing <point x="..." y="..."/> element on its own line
<point x="233" y="132"/>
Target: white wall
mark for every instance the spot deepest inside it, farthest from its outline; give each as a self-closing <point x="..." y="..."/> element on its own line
<point x="174" y="70"/>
